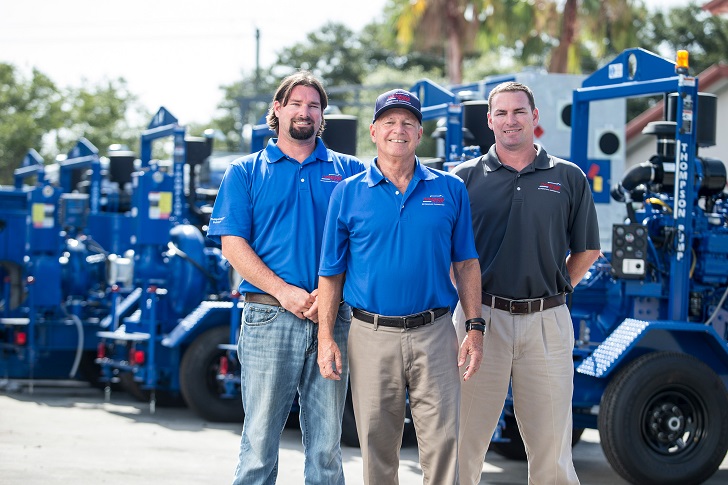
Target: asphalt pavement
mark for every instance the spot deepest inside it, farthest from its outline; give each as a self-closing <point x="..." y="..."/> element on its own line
<point x="70" y="434"/>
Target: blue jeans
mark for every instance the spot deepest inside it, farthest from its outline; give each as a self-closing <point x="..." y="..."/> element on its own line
<point x="277" y="353"/>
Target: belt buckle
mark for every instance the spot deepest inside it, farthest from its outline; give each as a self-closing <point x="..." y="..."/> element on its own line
<point x="512" y="307"/>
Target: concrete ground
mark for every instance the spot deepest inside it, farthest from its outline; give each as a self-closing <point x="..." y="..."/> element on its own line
<point x="71" y="435"/>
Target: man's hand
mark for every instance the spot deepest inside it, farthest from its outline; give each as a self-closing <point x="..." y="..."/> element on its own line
<point x="312" y="312"/>
<point x="472" y="346"/>
<point x="297" y="301"/>
<point x="329" y="359"/>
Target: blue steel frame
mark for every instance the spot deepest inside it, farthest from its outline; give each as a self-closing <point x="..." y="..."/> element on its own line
<point x="637" y="72"/>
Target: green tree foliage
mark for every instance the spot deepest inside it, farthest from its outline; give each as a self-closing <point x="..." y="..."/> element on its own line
<point x="570" y="36"/>
<point x="381" y="51"/>
<point x="244" y="102"/>
<point x="703" y="35"/>
<point x="36" y="114"/>
<point x="591" y="30"/>
<point x="100" y="114"/>
<point x="447" y="26"/>
<point x="332" y="53"/>
<point x="29" y="108"/>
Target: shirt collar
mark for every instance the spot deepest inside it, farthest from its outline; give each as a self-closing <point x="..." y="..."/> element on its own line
<point x="276" y="155"/>
<point x="541" y="162"/>
<point x="375" y="176"/>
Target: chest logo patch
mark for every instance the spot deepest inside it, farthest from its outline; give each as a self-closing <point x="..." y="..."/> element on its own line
<point x="434" y="200"/>
<point x="334" y="178"/>
<point x="550" y="186"/>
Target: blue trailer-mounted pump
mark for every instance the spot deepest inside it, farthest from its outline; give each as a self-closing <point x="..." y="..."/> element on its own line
<point x="651" y="358"/>
<point x="103" y="262"/>
<point x="163" y="333"/>
<point x="55" y="255"/>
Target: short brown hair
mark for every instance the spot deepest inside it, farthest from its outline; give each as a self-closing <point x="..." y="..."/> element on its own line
<point x="283" y="93"/>
<point x="511" y="87"/>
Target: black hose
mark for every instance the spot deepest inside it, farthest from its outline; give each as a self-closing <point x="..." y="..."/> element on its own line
<point x="639" y="174"/>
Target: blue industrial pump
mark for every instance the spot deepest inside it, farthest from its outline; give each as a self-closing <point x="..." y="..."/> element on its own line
<point x="55" y="247"/>
<point x="161" y="340"/>
<point x="107" y="277"/>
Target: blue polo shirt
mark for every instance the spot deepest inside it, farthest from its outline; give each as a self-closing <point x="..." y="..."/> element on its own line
<point x="279" y="206"/>
<point x="396" y="249"/>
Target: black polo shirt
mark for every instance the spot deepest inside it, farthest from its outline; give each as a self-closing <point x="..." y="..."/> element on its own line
<point x="526" y="222"/>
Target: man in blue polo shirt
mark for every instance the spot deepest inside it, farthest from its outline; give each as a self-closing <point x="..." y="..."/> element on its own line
<point x="269" y="217"/>
<point x="395" y="231"/>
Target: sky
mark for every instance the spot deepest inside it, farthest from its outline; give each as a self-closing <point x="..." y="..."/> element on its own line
<point x="172" y="53"/>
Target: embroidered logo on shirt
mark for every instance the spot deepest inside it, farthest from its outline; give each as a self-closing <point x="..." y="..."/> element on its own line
<point x="216" y="220"/>
<point x="434" y="200"/>
<point x="551" y="187"/>
<point x="332" y="178"/>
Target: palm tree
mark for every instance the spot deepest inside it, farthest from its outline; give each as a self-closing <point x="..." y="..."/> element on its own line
<point x="600" y="27"/>
<point x="428" y="24"/>
<point x="537" y="32"/>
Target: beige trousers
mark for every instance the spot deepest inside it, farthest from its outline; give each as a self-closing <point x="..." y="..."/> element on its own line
<point x="533" y="351"/>
<point x="386" y="363"/>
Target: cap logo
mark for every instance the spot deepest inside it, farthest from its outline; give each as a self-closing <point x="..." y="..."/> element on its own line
<point x="401" y="97"/>
<point x="398" y="98"/>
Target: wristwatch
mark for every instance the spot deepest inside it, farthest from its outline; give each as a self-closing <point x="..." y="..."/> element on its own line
<point x="475" y="324"/>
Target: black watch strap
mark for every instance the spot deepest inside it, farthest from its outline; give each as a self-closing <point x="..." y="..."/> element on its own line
<point x="475" y="324"/>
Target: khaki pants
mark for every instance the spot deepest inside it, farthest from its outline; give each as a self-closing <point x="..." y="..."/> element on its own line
<point x="386" y="362"/>
<point x="535" y="350"/>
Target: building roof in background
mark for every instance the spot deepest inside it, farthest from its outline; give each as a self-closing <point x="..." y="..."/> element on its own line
<point x="716" y="7"/>
<point x="710" y="77"/>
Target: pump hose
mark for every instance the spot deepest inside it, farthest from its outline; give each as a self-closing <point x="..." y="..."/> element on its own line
<point x="178" y="252"/>
<point x="79" y="347"/>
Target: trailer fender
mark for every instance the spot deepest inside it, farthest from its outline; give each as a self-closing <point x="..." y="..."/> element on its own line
<point x="633" y="338"/>
<point x="208" y="314"/>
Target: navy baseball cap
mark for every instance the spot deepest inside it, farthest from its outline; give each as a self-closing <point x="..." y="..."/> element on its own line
<point x="397" y="98"/>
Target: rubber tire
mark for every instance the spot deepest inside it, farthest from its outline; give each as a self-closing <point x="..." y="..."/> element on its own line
<point x="630" y="402"/>
<point x="90" y="371"/>
<point x="516" y="449"/>
<point x="350" y="437"/>
<point x="198" y="383"/>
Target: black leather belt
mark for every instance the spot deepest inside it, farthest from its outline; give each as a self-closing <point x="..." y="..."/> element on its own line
<point x="522" y="307"/>
<point x="262" y="298"/>
<point x="408" y="321"/>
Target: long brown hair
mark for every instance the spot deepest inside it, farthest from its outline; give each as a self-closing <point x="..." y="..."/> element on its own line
<point x="283" y="93"/>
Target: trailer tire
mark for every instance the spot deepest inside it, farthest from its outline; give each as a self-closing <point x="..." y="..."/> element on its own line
<point x="90" y="371"/>
<point x="515" y="449"/>
<point x="664" y="420"/>
<point x="198" y="379"/>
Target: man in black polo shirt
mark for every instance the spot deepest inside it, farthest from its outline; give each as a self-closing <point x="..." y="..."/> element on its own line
<point x="529" y="211"/>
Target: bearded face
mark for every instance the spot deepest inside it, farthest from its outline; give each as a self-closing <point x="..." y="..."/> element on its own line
<point x="302" y="128"/>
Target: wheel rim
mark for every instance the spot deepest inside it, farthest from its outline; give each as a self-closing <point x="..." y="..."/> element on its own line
<point x="674" y="422"/>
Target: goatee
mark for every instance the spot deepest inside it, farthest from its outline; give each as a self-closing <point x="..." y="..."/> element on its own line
<point x="301" y="133"/>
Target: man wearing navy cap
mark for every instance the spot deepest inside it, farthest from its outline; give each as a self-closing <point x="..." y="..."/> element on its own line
<point x="392" y="234"/>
